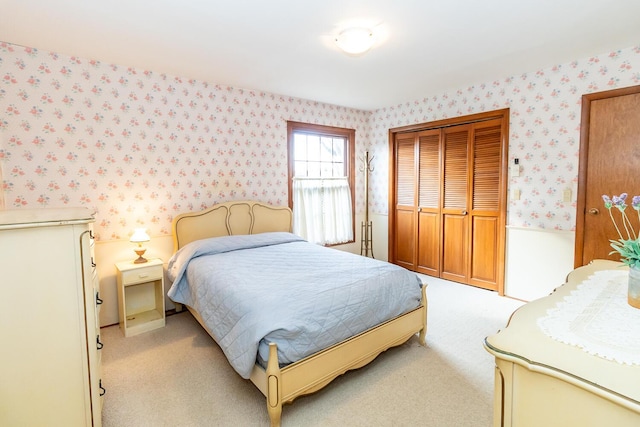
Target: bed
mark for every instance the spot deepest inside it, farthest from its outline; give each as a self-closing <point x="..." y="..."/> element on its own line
<point x="218" y="237"/>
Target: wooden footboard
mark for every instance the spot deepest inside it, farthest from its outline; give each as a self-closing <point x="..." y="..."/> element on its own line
<point x="306" y="376"/>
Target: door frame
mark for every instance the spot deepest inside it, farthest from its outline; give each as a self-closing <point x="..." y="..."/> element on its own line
<point x="583" y="162"/>
<point x="503" y="114"/>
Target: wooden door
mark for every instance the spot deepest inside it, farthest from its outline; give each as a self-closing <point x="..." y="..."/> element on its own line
<point x="455" y="190"/>
<point x="417" y="206"/>
<point x="405" y="230"/>
<point x="429" y="178"/>
<point x="487" y="225"/>
<point x="448" y="198"/>
<point x="609" y="164"/>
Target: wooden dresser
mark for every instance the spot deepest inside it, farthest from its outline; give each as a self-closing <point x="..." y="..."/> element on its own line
<point x="541" y="381"/>
<point x="49" y="329"/>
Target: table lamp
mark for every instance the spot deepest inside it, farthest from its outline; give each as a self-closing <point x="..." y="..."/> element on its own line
<point x="139" y="236"/>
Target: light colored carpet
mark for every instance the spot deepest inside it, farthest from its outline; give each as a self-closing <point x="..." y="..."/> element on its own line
<point x="177" y="376"/>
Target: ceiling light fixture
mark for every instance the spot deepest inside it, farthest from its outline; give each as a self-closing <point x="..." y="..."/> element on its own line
<point x="355" y="41"/>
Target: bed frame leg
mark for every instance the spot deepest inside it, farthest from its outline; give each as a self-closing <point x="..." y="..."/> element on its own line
<point x="274" y="387"/>
<point x="423" y="332"/>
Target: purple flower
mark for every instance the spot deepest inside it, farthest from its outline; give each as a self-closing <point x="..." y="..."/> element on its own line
<point x="619" y="201"/>
<point x="629" y="247"/>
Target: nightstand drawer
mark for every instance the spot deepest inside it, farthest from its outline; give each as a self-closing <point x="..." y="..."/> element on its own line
<point x="143" y="274"/>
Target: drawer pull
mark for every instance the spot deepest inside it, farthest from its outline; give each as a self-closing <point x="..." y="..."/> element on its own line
<point x="98" y="343"/>
<point x="143" y="275"/>
<point x="103" y="390"/>
<point x="98" y="300"/>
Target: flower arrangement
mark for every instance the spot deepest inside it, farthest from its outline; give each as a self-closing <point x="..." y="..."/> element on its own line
<point x="629" y="247"/>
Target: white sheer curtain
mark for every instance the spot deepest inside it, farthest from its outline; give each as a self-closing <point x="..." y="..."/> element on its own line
<point x="322" y="210"/>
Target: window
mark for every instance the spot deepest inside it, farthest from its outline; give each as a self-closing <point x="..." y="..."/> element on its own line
<point x="321" y="182"/>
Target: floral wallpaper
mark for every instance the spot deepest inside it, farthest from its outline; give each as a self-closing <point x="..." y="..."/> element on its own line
<point x="545" y="109"/>
<point x="139" y="147"/>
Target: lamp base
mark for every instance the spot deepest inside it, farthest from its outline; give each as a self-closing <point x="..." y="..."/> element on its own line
<point x="140" y="259"/>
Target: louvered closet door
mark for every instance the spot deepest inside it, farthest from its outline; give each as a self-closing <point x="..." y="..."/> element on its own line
<point x="455" y="219"/>
<point x="449" y="199"/>
<point x="429" y="202"/>
<point x="405" y="208"/>
<point x="485" y="209"/>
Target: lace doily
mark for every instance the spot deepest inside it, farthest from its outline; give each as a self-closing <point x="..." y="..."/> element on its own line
<point x="597" y="318"/>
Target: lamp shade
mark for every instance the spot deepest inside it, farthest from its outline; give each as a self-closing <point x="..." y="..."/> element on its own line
<point x="139" y="235"/>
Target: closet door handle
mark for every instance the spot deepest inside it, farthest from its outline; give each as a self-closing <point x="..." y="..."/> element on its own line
<point x="98" y="300"/>
<point x="464" y="212"/>
<point x="98" y="343"/>
<point x="103" y="390"/>
<point x="594" y="211"/>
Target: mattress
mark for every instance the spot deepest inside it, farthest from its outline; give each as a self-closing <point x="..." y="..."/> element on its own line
<point x="252" y="290"/>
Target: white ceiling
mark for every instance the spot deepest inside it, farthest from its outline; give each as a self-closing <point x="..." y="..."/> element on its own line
<point x="285" y="46"/>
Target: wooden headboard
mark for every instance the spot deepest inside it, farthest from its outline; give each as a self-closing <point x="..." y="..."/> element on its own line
<point x="228" y="219"/>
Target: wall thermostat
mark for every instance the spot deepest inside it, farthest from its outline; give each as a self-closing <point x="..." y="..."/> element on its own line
<point x="515" y="167"/>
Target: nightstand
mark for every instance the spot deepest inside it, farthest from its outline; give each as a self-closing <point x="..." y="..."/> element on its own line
<point x="140" y="296"/>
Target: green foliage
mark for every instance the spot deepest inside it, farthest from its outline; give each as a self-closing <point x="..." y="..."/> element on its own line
<point x="629" y="248"/>
<point x="629" y="251"/>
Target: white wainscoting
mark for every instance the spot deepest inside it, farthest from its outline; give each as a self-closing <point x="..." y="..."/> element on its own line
<point x="537" y="261"/>
<point x="112" y="251"/>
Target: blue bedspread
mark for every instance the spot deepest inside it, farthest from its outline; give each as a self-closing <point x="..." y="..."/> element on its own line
<point x="252" y="290"/>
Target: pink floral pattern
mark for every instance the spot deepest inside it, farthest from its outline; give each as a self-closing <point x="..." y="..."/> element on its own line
<point x="139" y="147"/>
<point x="545" y="109"/>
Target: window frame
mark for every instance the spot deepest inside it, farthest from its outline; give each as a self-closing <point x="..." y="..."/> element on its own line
<point x="349" y="154"/>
